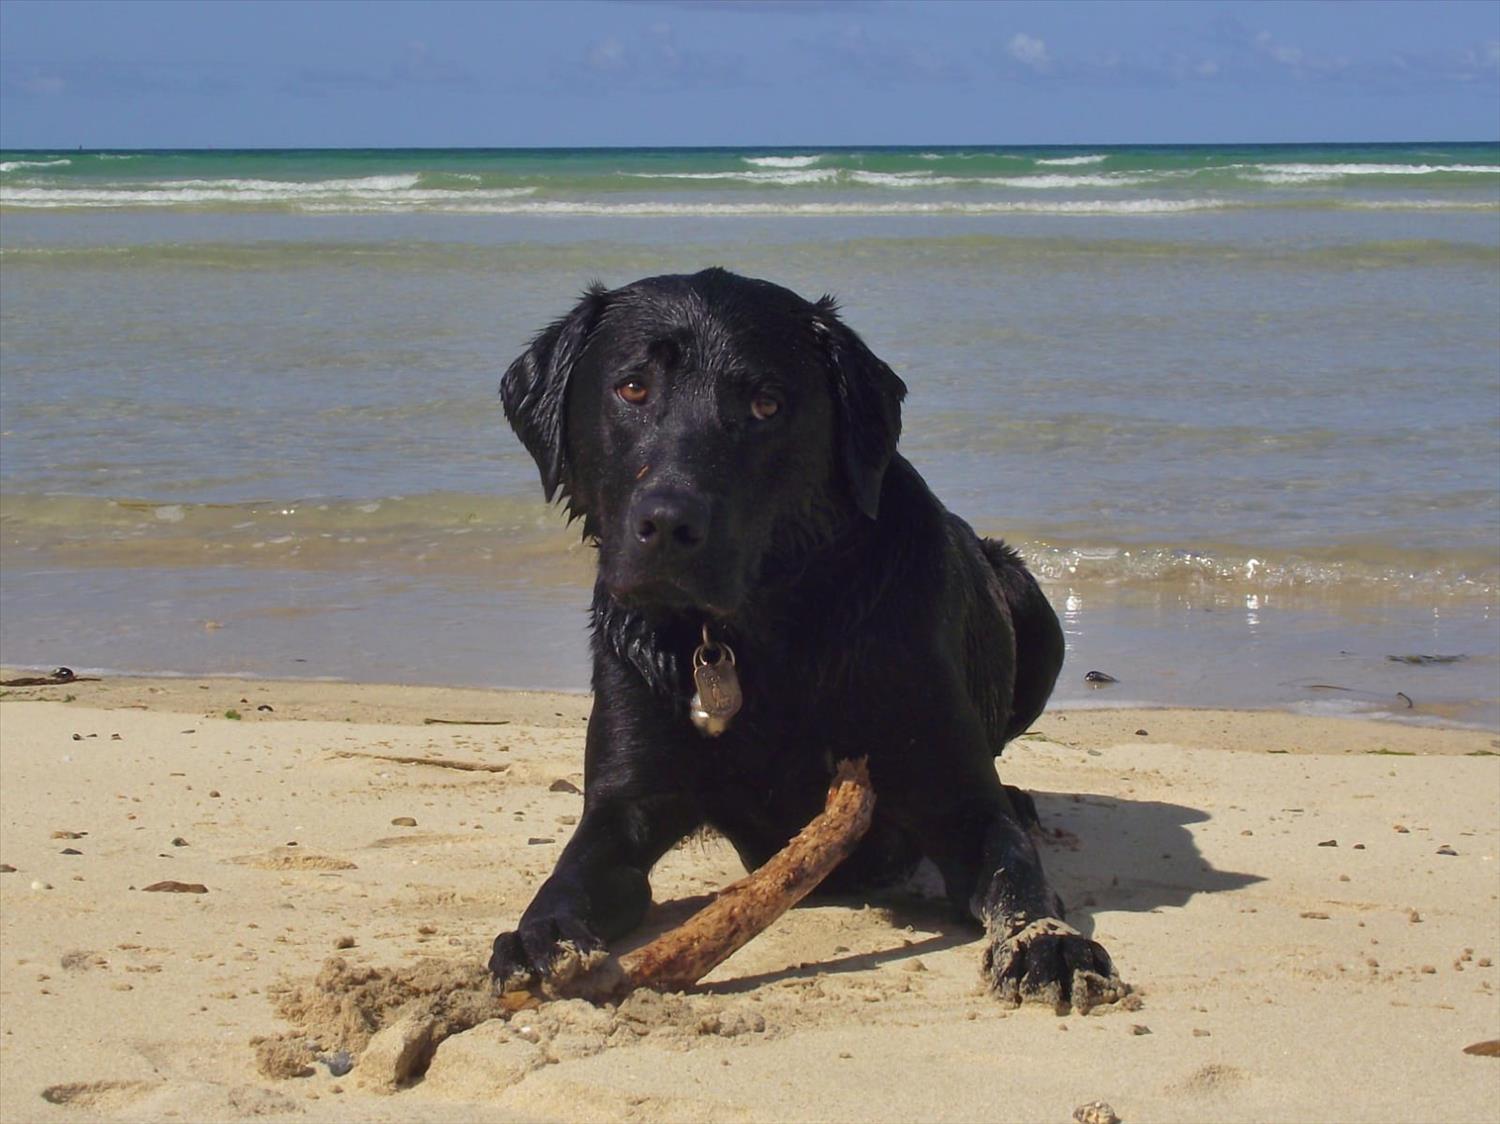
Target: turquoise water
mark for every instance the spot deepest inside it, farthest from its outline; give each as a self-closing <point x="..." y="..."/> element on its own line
<point x="946" y="180"/>
<point x="1239" y="405"/>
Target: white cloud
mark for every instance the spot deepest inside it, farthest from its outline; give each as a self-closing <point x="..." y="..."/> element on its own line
<point x="607" y="55"/>
<point x="43" y="85"/>
<point x="1029" y="51"/>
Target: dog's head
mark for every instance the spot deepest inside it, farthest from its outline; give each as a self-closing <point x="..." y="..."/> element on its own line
<point x="707" y="429"/>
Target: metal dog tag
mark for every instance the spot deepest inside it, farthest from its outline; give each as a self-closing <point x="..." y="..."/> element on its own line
<point x="718" y="698"/>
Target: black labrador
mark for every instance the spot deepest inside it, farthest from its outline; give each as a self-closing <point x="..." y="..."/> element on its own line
<point x="779" y="590"/>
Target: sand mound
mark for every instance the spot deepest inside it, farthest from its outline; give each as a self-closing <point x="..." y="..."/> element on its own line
<point x="287" y="858"/>
<point x="400" y="1022"/>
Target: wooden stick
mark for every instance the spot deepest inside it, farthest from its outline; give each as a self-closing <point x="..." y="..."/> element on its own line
<point x="682" y="956"/>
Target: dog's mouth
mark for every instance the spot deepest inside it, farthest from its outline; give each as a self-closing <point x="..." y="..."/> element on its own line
<point x="662" y="597"/>
<point x="654" y="593"/>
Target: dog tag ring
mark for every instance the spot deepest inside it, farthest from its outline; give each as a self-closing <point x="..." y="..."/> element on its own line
<point x="718" y="697"/>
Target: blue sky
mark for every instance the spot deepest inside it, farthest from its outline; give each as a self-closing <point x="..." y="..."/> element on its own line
<point x="774" y="72"/>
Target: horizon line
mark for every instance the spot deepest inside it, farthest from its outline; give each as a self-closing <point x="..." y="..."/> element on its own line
<point x="732" y="147"/>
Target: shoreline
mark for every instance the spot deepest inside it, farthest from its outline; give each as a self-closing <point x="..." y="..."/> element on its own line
<point x="411" y="703"/>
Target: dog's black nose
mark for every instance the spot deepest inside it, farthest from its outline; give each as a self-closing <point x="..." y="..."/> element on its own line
<point x="669" y="522"/>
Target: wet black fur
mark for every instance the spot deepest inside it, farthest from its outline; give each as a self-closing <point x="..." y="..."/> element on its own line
<point x="866" y="619"/>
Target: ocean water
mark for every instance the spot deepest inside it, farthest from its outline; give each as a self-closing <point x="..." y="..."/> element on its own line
<point x="1239" y="406"/>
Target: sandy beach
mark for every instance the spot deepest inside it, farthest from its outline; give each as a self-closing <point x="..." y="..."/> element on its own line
<point x="1308" y="909"/>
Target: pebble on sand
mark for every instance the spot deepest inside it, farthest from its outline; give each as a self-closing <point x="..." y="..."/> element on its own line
<point x="1095" y="1112"/>
<point x="172" y="887"/>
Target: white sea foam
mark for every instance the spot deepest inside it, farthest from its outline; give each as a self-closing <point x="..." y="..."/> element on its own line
<point x="781" y="161"/>
<point x="370" y="193"/>
<point x="1312" y="173"/>
<point x="295" y="187"/>
<point x="470" y="205"/>
<point x="1042" y="182"/>
<point x="1069" y="161"/>
<point x="787" y="178"/>
<point x="13" y="165"/>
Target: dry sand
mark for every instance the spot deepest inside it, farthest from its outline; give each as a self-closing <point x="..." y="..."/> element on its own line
<point x="1277" y="887"/>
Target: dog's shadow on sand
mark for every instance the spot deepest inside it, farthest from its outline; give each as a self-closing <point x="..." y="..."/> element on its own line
<point x="1101" y="853"/>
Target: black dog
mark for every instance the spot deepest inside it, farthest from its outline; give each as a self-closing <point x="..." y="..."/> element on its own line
<point x="731" y="449"/>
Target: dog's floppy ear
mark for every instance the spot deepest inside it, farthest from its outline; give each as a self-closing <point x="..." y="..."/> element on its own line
<point x="534" y="389"/>
<point x="867" y="396"/>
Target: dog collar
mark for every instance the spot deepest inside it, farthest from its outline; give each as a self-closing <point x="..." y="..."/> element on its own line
<point x="718" y="697"/>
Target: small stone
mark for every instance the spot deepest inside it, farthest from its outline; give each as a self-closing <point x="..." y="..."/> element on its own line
<point x="1343" y="878"/>
<point x="1138" y="1029"/>
<point x="1429" y="969"/>
<point x="338" y="1063"/>
<point x="1247" y="831"/>
<point x="1314" y="915"/>
<point x="179" y="841"/>
<point x="1142" y="733"/>
<point x="1446" y="850"/>
<point x="70" y="851"/>
<point x="1329" y="843"/>
<point x="343" y="942"/>
<point x="1099" y="677"/>
<point x="403" y="821"/>
<point x="171" y="887"/>
<point x="213" y="792"/>
<point x="1359" y="846"/>
<point x="562" y="785"/>
<point x="1413" y="916"/>
<point x="269" y="710"/>
<point x="1402" y="828"/>
<point x="1095" y="1112"/>
<point x="395" y="1053"/>
<point x="6" y="868"/>
<point x="68" y="834"/>
<point x="40" y="885"/>
<point x="1198" y="1032"/>
<point x="1484" y="962"/>
<point x="537" y="840"/>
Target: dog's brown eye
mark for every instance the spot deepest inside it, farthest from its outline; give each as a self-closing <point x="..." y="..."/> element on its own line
<point x="633" y="391"/>
<point x="764" y="407"/>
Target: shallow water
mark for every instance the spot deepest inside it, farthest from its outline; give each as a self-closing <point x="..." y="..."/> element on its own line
<point x="1241" y="408"/>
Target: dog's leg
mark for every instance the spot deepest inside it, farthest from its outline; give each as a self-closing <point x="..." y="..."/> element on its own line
<point x="968" y="823"/>
<point x="599" y="890"/>
<point x="1031" y="954"/>
<point x="637" y="804"/>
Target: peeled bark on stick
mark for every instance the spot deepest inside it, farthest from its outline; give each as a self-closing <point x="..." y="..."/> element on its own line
<point x="682" y="956"/>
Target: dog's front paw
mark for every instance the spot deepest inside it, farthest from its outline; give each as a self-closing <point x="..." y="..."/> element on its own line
<point x="1050" y="962"/>
<point x="542" y="950"/>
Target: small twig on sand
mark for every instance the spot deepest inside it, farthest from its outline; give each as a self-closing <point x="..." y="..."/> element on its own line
<point x="439" y="762"/>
